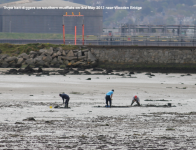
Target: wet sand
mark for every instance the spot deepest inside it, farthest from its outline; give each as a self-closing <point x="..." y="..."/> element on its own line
<point x="87" y="127"/>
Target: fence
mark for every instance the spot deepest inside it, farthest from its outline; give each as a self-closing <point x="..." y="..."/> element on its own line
<point x="105" y="40"/>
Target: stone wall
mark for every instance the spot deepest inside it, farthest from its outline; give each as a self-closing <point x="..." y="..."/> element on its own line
<point x="145" y="55"/>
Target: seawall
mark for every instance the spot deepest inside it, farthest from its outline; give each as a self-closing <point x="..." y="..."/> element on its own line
<point x="146" y="58"/>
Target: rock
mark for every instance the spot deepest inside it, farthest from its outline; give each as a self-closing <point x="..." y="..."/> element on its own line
<point x="64" y="53"/>
<point x="39" y="58"/>
<point x="76" y="72"/>
<point x="97" y="69"/>
<point x="4" y="56"/>
<point x="32" y="55"/>
<point x="109" y="70"/>
<point x="131" y="72"/>
<point x="4" y="65"/>
<point x="59" y="59"/>
<point x="40" y="69"/>
<point x="54" y="55"/>
<point x="70" y="54"/>
<point x="86" y="72"/>
<point x="88" y="79"/>
<point x="148" y="73"/>
<point x="29" y="119"/>
<point x="47" y="58"/>
<point x="28" y="69"/>
<point x="29" y="61"/>
<point x="91" y="57"/>
<point x="50" y="51"/>
<point x="9" y="59"/>
<point x="13" y="71"/>
<point x="39" y="63"/>
<point x="24" y="56"/>
<point x="58" y="53"/>
<point x="43" y="50"/>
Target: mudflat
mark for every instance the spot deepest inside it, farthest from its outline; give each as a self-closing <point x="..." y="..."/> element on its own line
<point x="30" y="121"/>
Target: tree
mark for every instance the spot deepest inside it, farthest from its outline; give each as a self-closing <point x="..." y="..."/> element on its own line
<point x="170" y="20"/>
<point x="146" y="11"/>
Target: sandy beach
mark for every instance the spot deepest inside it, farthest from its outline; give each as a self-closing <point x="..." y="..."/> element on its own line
<point x="85" y="126"/>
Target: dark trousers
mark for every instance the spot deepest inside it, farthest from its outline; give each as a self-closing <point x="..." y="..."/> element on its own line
<point x="66" y="103"/>
<point x="136" y="102"/>
<point x="108" y="99"/>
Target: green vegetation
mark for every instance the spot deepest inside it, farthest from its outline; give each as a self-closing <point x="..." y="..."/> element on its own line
<point x="37" y="36"/>
<point x="34" y="36"/>
<point x="15" y="50"/>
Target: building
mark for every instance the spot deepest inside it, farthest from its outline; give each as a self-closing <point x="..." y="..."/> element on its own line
<point x="46" y="16"/>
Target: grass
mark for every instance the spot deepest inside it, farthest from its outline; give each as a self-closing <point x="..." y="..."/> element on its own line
<point x="15" y="50"/>
<point x="53" y="36"/>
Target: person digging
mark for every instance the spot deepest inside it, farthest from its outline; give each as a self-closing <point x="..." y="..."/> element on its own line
<point x="136" y="99"/>
<point x="108" y="98"/>
<point x="66" y="97"/>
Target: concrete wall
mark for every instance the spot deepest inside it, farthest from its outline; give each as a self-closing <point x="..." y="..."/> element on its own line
<point x="142" y="54"/>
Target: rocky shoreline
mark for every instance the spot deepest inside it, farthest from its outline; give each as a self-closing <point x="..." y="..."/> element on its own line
<point x="52" y="57"/>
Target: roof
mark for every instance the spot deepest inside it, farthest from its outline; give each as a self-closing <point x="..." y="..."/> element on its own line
<point x="42" y="3"/>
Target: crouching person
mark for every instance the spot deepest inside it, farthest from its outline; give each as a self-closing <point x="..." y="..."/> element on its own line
<point x="66" y="97"/>
<point x="136" y="99"/>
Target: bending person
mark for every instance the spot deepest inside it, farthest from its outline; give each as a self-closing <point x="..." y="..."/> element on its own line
<point x="66" y="97"/>
<point x="108" y="97"/>
<point x="136" y="99"/>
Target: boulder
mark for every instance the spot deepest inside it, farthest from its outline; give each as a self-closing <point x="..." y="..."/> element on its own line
<point x="54" y="61"/>
<point x="39" y="63"/>
<point x="39" y="58"/>
<point x="32" y="52"/>
<point x="70" y="54"/>
<point x="47" y="58"/>
<point x="24" y="56"/>
<point x="4" y="56"/>
<point x="43" y="50"/>
<point x="28" y="69"/>
<point x="40" y="69"/>
<point x="68" y="58"/>
<point x="9" y="59"/>
<point x="64" y="53"/>
<point x="54" y="55"/>
<point x="50" y="51"/>
<point x="30" y="61"/>
<point x="58" y="53"/>
<point x="32" y="55"/>
<point x="60" y="59"/>
<point x="4" y="65"/>
<point x="13" y="71"/>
